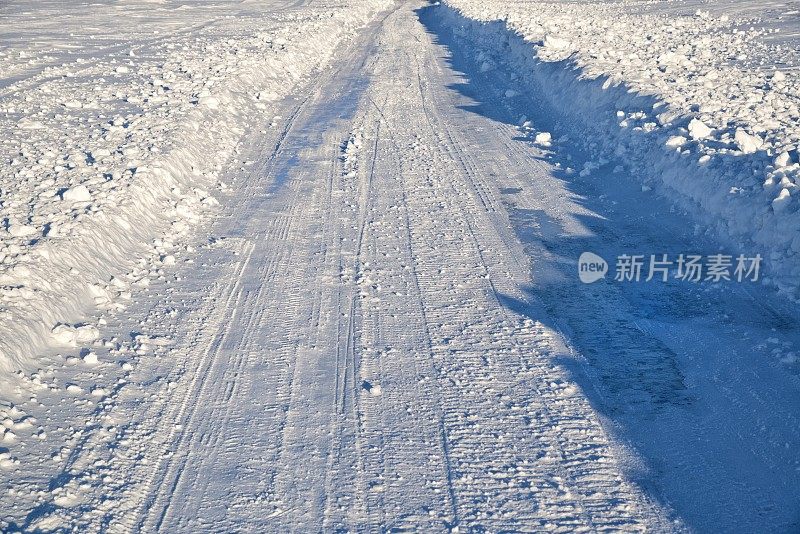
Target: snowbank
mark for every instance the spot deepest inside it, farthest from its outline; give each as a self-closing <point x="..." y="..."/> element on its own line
<point x="689" y="104"/>
<point x="109" y="160"/>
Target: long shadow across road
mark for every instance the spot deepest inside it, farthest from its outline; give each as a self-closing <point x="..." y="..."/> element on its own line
<point x="687" y="376"/>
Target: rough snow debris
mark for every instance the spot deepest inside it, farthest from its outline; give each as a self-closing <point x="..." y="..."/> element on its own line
<point x="103" y="155"/>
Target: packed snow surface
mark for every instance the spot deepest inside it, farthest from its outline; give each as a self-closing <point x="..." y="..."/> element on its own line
<point x="312" y="266"/>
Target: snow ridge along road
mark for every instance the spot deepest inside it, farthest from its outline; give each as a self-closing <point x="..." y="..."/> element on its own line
<point x="113" y="155"/>
<point x="384" y="330"/>
<point x="702" y="108"/>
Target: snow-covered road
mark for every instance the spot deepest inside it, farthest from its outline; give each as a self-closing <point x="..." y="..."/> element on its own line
<point x="383" y="330"/>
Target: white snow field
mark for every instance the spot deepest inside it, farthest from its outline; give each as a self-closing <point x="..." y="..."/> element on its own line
<point x="312" y="266"/>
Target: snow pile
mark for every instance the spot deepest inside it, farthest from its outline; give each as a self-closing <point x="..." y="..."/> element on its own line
<point x="109" y="160"/>
<point x="691" y="104"/>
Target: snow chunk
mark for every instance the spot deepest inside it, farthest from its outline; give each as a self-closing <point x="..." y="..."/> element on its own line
<point x="543" y="138"/>
<point x="79" y="193"/>
<point x="698" y="129"/>
<point x="373" y="389"/>
<point x="676" y="141"/>
<point x="781" y="202"/>
<point x="100" y="153"/>
<point x="63" y="334"/>
<point x="21" y="230"/>
<point x="6" y="461"/>
<point x="783" y="160"/>
<point x="86" y="334"/>
<point x="747" y="143"/>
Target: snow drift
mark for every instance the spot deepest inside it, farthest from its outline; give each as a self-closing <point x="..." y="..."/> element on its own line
<point x="688" y="104"/>
<point x="110" y="160"/>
